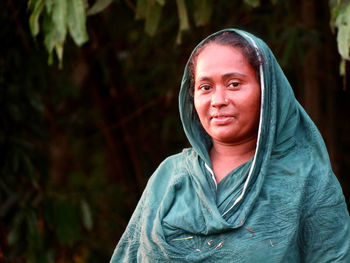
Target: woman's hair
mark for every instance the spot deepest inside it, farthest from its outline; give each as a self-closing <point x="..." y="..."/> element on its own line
<point x="227" y="38"/>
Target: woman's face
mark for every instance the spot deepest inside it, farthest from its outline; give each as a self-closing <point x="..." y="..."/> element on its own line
<point x="226" y="94"/>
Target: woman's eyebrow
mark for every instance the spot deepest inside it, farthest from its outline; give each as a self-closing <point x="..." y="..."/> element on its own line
<point x="225" y="76"/>
<point x="234" y="74"/>
<point x="204" y="78"/>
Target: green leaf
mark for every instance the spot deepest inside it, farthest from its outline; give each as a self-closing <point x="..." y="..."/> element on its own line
<point x="342" y="67"/>
<point x="49" y="31"/>
<point x="184" y="25"/>
<point x="48" y="4"/>
<point x="343" y="36"/>
<point x="98" y="7"/>
<point x="59" y="53"/>
<point x="161" y="2"/>
<point x="343" y="39"/>
<point x="141" y="9"/>
<point x="334" y="6"/>
<point x="59" y="19"/>
<point x="77" y="21"/>
<point x="50" y="58"/>
<point x="55" y="29"/>
<point x="182" y="11"/>
<point x="252" y="3"/>
<point x="154" y="12"/>
<point x="86" y="214"/>
<point x="202" y="12"/>
<point x="86" y="4"/>
<point x="34" y="17"/>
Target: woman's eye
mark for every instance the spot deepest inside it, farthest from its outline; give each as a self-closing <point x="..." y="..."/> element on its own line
<point x="234" y="84"/>
<point x="205" y="87"/>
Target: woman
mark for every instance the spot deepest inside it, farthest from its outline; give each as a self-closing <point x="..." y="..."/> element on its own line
<point x="257" y="184"/>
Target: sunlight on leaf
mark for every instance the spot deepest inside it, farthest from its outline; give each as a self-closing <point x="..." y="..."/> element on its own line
<point x="34" y="17"/>
<point x="59" y="18"/>
<point x="77" y="21"/>
<point x="49" y="30"/>
<point x="343" y="36"/>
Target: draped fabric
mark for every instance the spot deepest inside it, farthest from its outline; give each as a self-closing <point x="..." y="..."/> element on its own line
<point x="283" y="205"/>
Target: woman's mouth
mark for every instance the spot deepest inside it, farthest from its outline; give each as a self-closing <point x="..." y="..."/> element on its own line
<point x="222" y="119"/>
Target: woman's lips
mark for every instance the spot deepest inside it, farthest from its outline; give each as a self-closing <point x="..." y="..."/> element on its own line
<point x="222" y="119"/>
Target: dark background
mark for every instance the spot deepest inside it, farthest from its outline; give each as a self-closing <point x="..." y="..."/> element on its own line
<point x="78" y="144"/>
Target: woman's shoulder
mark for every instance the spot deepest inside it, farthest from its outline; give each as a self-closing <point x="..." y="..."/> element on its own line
<point x="173" y="165"/>
<point x="177" y="159"/>
<point x="170" y="172"/>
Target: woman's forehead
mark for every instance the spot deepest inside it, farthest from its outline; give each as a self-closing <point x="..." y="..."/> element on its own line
<point x="221" y="59"/>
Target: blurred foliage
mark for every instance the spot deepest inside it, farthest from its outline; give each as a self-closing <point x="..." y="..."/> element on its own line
<point x="79" y="143"/>
<point x="60" y="16"/>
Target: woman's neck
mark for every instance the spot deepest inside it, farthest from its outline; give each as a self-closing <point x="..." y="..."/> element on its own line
<point x="226" y="157"/>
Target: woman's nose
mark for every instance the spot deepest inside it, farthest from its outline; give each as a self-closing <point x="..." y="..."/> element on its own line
<point x="218" y="98"/>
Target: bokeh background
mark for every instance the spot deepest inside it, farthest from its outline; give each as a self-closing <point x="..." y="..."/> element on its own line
<point x="78" y="141"/>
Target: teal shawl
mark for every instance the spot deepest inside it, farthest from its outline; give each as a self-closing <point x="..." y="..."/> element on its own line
<point x="284" y="205"/>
